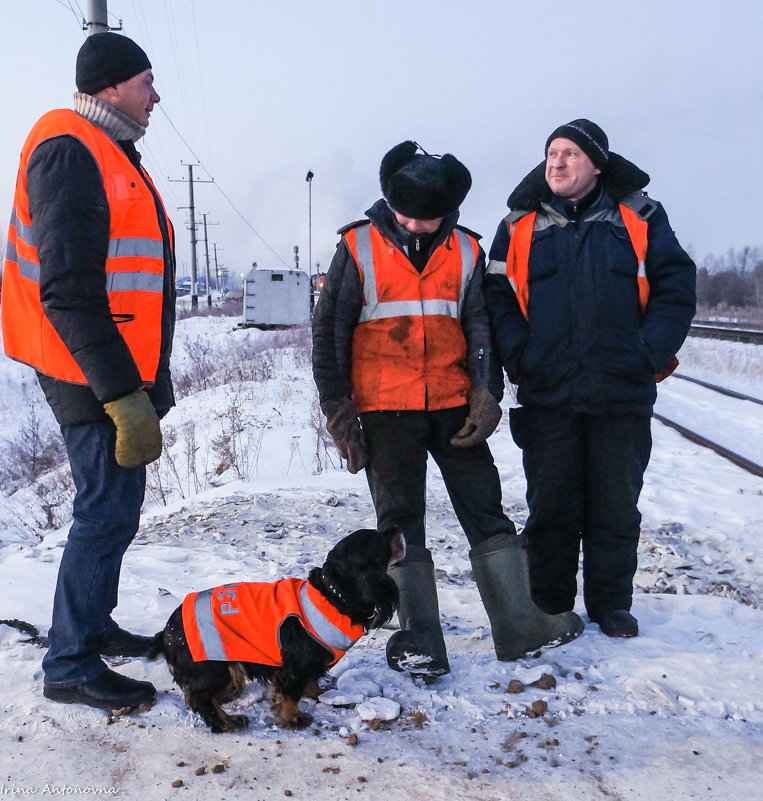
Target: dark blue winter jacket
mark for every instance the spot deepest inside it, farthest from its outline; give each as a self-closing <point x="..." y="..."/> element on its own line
<point x="586" y="343"/>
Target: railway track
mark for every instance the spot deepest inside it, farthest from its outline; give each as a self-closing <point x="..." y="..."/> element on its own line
<point x="741" y="461"/>
<point x="729" y="331"/>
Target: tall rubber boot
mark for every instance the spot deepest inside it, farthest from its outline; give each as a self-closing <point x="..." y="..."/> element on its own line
<point x="419" y="646"/>
<point x="499" y="566"/>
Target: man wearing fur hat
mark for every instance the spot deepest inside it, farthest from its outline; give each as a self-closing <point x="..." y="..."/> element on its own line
<point x="403" y="364"/>
<point x="590" y="297"/>
<point x="88" y="301"/>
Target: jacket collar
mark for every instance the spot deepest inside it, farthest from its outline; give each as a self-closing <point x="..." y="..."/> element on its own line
<point x="383" y="220"/>
<point x="113" y="122"/>
<point x="621" y="178"/>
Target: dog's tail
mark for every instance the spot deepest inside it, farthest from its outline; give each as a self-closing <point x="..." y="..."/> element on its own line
<point x="156" y="646"/>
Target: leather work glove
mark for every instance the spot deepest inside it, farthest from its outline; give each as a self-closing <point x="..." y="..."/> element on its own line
<point x="343" y="425"/>
<point x="139" y="438"/>
<point x="484" y="416"/>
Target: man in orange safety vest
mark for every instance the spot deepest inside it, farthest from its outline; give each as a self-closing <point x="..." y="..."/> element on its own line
<point x="88" y="301"/>
<point x="590" y="297"/>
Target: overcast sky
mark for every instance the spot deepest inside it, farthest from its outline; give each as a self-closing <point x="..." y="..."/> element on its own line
<point x="260" y="92"/>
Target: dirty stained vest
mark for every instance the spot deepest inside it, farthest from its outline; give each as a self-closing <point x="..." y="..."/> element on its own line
<point x="409" y="350"/>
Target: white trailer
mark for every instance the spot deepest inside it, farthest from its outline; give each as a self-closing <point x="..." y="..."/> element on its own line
<point x="276" y="298"/>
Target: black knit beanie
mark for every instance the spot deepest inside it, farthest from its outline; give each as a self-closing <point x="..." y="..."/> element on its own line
<point x="421" y="186"/>
<point x="588" y="137"/>
<point x="106" y="59"/>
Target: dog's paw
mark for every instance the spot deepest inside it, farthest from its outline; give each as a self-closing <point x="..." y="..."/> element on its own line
<point x="231" y="724"/>
<point x="299" y="721"/>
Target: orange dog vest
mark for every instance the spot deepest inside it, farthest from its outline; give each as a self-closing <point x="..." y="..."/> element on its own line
<point x="242" y="622"/>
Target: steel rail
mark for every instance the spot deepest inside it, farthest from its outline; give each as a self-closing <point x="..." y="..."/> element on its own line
<point x="712" y="331"/>
<point x="692" y="436"/>
<point x="730" y="392"/>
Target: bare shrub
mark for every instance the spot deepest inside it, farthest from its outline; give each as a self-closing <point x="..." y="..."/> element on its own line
<point x="324" y="444"/>
<point x="34" y="451"/>
<point x="213" y="367"/>
<point x="239" y="443"/>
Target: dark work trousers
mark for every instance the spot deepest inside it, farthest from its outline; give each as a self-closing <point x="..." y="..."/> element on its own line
<point x="584" y="476"/>
<point x="398" y="444"/>
<point x="106" y="513"/>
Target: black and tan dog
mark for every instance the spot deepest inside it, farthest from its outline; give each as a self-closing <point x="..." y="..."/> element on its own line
<point x="286" y="633"/>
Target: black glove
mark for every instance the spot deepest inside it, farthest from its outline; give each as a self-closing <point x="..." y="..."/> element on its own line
<point x="343" y="425"/>
<point x="484" y="416"/>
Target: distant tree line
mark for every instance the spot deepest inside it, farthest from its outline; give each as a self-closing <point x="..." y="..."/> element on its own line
<point x="734" y="280"/>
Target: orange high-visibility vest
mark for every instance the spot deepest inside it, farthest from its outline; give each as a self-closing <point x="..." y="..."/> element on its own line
<point x="134" y="276"/>
<point x="518" y="258"/>
<point x="408" y="349"/>
<point x="241" y="622"/>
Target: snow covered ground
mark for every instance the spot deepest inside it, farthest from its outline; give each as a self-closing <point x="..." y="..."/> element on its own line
<point x="247" y="489"/>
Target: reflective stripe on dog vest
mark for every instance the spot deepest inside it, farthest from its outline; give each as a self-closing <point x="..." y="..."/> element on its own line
<point x="326" y="631"/>
<point x="240" y="622"/>
<point x="518" y="257"/>
<point x="205" y="621"/>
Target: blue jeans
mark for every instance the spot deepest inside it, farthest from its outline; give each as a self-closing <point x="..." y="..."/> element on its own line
<point x="106" y="515"/>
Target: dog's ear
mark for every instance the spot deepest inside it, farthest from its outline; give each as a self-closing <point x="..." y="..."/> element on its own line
<point x="396" y="540"/>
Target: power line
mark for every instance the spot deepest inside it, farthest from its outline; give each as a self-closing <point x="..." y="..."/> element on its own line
<point x="220" y="190"/>
<point x="147" y="37"/>
<point x="204" y="115"/>
<point x="80" y="19"/>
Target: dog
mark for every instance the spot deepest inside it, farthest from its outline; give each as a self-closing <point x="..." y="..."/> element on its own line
<point x="285" y="633"/>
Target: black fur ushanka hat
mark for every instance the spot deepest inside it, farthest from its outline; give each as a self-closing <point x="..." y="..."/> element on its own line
<point x="422" y="186"/>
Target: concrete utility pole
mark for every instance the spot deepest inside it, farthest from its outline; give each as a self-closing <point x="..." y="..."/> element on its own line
<point x="97" y="21"/>
<point x="206" y="252"/>
<point x="309" y="178"/>
<point x="221" y="280"/>
<point x="194" y="267"/>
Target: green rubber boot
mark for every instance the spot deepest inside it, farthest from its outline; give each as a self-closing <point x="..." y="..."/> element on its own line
<point x="499" y="566"/>
<point x="419" y="646"/>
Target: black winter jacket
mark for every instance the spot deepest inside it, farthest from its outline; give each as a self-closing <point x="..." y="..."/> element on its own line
<point x="68" y="205"/>
<point x="587" y="345"/>
<point x="341" y="300"/>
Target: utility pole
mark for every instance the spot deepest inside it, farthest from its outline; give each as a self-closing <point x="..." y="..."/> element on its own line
<point x="194" y="268"/>
<point x="206" y="251"/>
<point x="219" y="271"/>
<point x="309" y="178"/>
<point x="97" y="21"/>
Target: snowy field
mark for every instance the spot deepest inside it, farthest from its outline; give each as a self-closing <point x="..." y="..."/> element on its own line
<point x="248" y="489"/>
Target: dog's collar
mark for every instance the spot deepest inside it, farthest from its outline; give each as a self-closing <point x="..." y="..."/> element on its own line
<point x="331" y="587"/>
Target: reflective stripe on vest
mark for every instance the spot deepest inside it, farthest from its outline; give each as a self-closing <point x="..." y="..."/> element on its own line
<point x="205" y="620"/>
<point x="637" y="231"/>
<point x="134" y="267"/>
<point x="373" y="310"/>
<point x="408" y="348"/>
<point x="326" y="631"/>
<point x="518" y="257"/>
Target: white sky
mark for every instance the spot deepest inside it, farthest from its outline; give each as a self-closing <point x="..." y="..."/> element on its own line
<point x="264" y="91"/>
